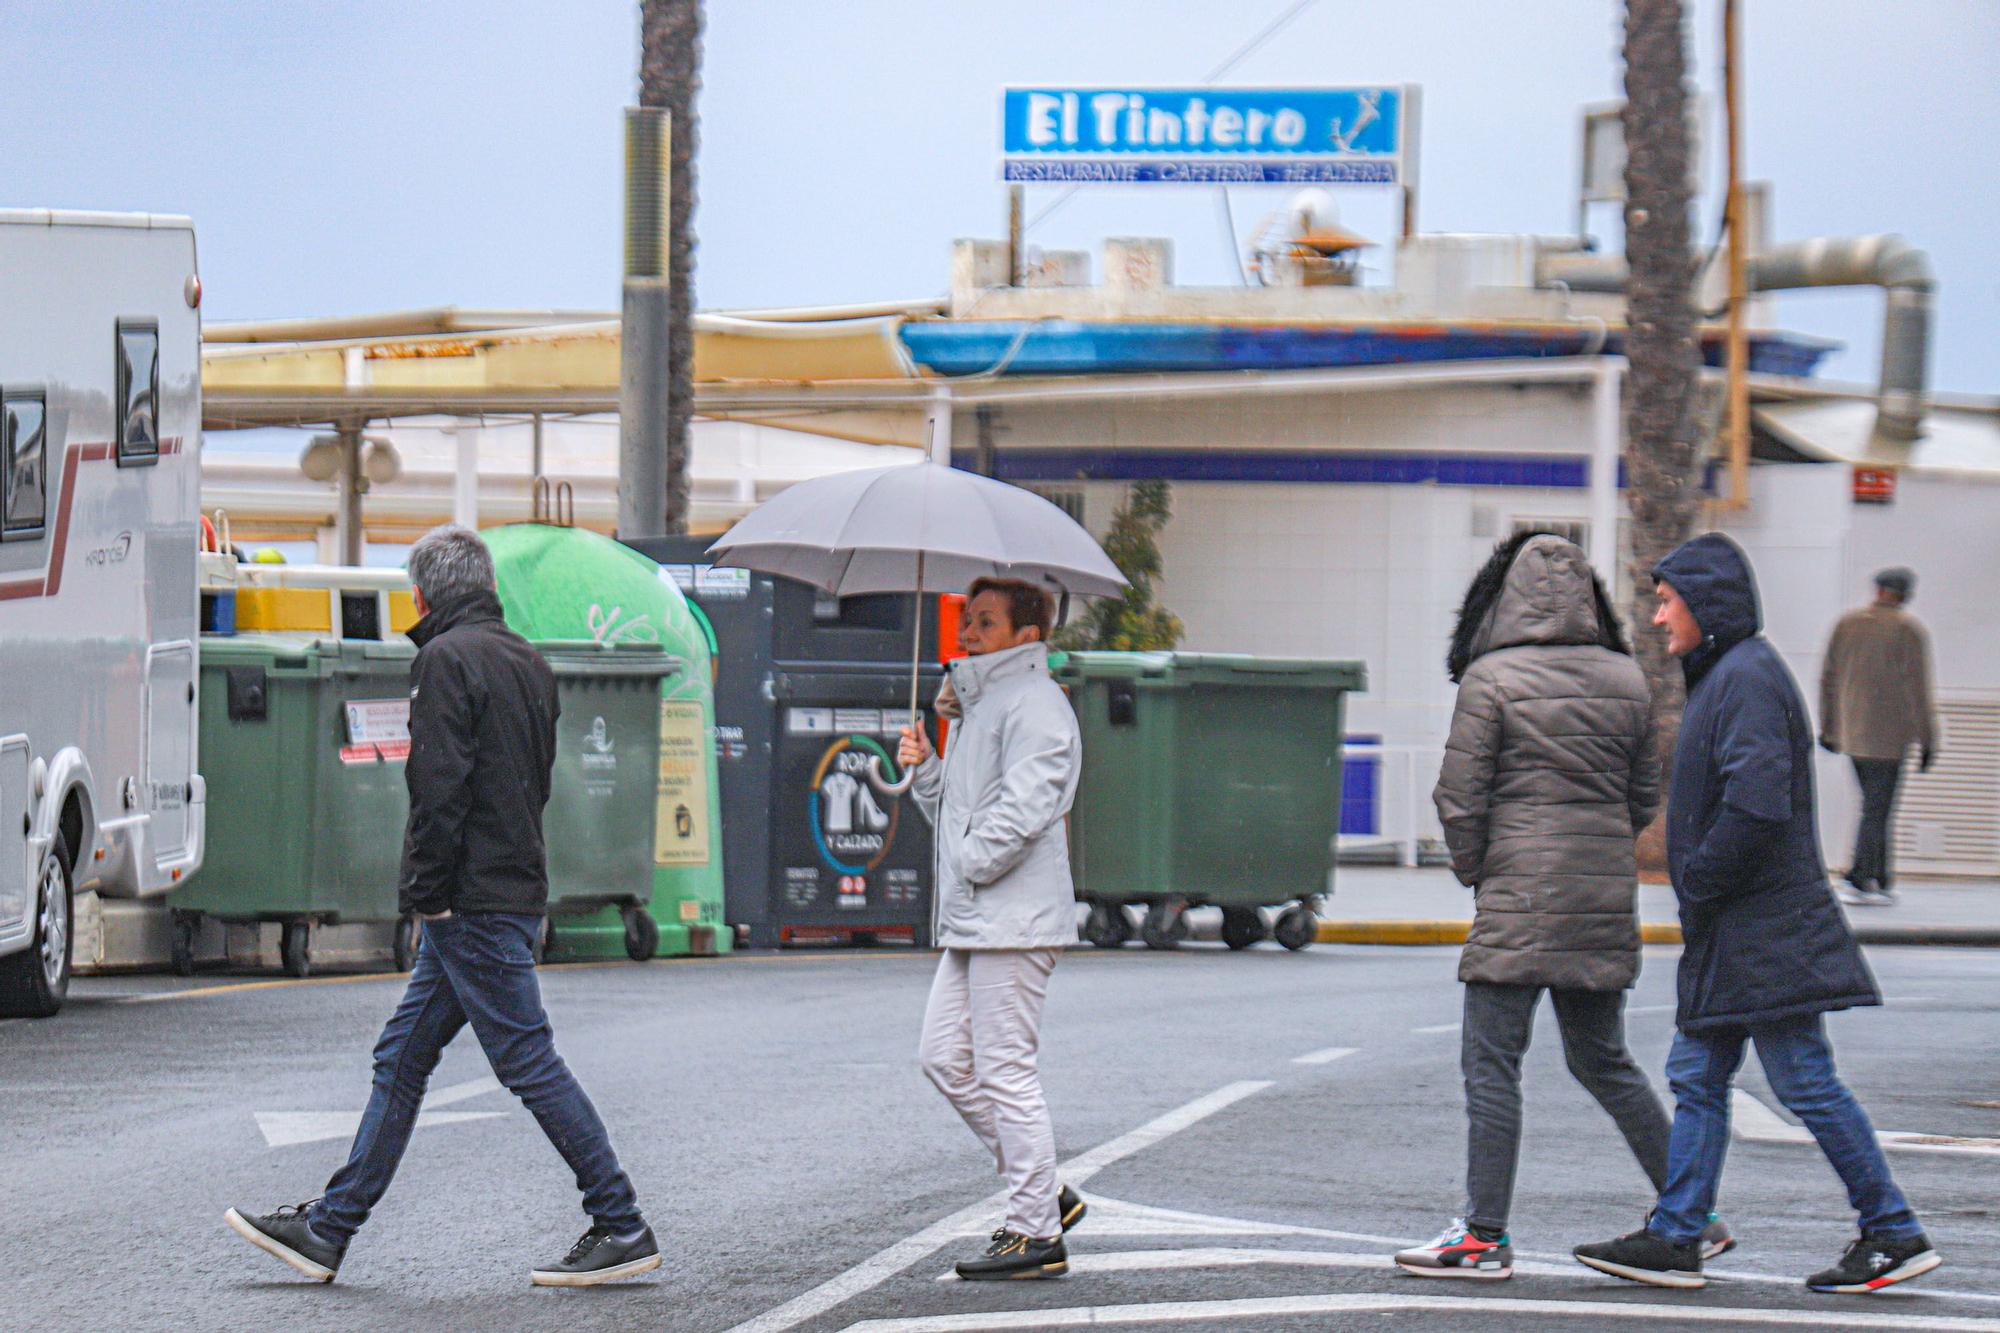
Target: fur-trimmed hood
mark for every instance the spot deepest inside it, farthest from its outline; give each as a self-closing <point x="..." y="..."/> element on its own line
<point x="1536" y="588"/>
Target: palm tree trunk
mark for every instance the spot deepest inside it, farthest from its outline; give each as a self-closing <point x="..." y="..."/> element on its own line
<point x="669" y="76"/>
<point x="1661" y="388"/>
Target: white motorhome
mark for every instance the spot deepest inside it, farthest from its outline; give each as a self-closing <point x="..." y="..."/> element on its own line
<point x="100" y="435"/>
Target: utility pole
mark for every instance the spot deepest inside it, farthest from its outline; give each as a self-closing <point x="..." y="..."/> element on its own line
<point x="1738" y="337"/>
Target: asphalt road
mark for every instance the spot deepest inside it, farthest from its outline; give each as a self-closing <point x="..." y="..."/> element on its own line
<point x="1258" y="1128"/>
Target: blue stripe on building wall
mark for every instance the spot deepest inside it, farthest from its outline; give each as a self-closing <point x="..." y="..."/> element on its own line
<point x="1553" y="471"/>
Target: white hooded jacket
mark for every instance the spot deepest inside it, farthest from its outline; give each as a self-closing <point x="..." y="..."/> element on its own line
<point x="997" y="801"/>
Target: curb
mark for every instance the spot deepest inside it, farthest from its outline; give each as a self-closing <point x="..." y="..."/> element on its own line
<point x="1414" y="933"/>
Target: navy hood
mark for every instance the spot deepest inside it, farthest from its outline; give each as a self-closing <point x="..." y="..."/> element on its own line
<point x="1712" y="575"/>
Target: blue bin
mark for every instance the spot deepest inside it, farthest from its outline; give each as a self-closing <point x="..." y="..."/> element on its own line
<point x="1360" y="774"/>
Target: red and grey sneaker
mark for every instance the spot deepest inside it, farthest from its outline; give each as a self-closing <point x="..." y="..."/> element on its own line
<point x="1871" y="1264"/>
<point x="1458" y="1253"/>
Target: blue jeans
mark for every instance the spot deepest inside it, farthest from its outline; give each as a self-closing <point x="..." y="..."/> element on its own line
<point x="476" y="969"/>
<point x="1799" y="1063"/>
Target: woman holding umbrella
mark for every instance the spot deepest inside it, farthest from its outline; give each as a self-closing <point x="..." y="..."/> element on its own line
<point x="1006" y="908"/>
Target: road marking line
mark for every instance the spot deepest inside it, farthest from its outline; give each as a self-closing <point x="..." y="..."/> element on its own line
<point x="1281" y="1306"/>
<point x="1441" y="1027"/>
<point x="1757" y="1123"/>
<point x="1115" y="1217"/>
<point x="200" y="992"/>
<point x="885" y="1264"/>
<point x="1325" y="1057"/>
<point x="284" y="1129"/>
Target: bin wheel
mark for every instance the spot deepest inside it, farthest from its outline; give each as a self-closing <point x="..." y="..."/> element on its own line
<point x="409" y="934"/>
<point x="186" y="926"/>
<point x="1242" y="926"/>
<point x="642" y="935"/>
<point x="1165" y="925"/>
<point x="1107" y="926"/>
<point x="1297" y="927"/>
<point x="544" y="936"/>
<point x="295" y="946"/>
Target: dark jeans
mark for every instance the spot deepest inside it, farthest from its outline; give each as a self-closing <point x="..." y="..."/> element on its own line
<point x="1499" y="1021"/>
<point x="476" y="969"/>
<point x="1799" y="1063"/>
<point x="1878" y="779"/>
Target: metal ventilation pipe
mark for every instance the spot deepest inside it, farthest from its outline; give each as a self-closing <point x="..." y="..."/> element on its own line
<point x="642" y="354"/>
<point x="1904" y="274"/>
<point x="1889" y="262"/>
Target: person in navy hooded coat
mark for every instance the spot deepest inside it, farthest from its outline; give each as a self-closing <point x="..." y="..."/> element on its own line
<point x="1766" y="950"/>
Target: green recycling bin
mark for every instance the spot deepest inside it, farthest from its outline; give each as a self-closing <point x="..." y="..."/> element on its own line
<point x="560" y="583"/>
<point x="599" y="821"/>
<point x="303" y="744"/>
<point x="1208" y="779"/>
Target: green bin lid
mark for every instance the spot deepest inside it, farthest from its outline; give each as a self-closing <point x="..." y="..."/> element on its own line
<point x="587" y="657"/>
<point x="294" y="651"/>
<point x="1214" y="669"/>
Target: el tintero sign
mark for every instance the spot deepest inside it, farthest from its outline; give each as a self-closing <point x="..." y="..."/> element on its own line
<point x="1209" y="136"/>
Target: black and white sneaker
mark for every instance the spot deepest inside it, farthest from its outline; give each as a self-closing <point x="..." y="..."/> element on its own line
<point x="1013" y="1256"/>
<point x="1072" y="1207"/>
<point x="285" y="1235"/>
<point x="600" y="1256"/>
<point x="1645" y="1256"/>
<point x="1872" y="1264"/>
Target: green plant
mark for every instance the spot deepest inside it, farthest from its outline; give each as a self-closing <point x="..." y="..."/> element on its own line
<point x="1134" y="623"/>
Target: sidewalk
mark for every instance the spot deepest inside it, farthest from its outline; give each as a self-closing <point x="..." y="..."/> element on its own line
<point x="1391" y="905"/>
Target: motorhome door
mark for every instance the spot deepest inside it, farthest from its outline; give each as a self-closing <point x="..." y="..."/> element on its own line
<point x="170" y="718"/>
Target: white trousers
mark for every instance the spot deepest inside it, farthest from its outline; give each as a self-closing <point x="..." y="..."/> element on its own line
<point x="982" y="1032"/>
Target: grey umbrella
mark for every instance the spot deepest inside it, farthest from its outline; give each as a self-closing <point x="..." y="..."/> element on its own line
<point x="914" y="527"/>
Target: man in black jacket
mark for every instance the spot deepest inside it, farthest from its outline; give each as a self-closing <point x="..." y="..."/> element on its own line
<point x="1766" y="951"/>
<point x="482" y="742"/>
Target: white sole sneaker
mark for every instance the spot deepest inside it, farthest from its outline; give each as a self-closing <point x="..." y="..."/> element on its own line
<point x="276" y="1249"/>
<point x="1494" y="1274"/>
<point x="1914" y="1266"/>
<point x="544" y="1278"/>
<point x="1652" y="1277"/>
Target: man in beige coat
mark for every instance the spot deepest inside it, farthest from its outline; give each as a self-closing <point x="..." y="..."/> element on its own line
<point x="1874" y="704"/>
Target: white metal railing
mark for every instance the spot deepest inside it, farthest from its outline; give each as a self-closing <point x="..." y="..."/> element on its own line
<point x="1404" y="777"/>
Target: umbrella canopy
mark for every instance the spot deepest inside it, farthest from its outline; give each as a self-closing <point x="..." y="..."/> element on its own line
<point x="922" y="525"/>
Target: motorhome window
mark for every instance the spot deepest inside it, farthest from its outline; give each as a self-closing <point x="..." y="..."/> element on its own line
<point x="138" y="392"/>
<point x="24" y="482"/>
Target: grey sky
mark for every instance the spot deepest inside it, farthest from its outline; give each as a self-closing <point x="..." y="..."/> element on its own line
<point x="368" y="154"/>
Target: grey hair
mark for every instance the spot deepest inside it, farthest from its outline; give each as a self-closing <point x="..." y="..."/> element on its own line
<point x="450" y="562"/>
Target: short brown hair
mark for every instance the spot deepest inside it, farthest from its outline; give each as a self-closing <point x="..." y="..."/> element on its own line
<point x="1026" y="604"/>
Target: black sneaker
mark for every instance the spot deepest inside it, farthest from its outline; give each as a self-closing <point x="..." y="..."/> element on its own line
<point x="1072" y="1207"/>
<point x="1644" y="1256"/>
<point x="285" y="1235"/>
<point x="1014" y="1256"/>
<point x="599" y="1256"/>
<point x="1872" y="1264"/>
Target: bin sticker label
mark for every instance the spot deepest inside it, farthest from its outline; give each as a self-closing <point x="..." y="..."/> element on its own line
<point x="680" y="816"/>
<point x="853" y="821"/>
<point x="681" y="576"/>
<point x="809" y="721"/>
<point x="372" y="721"/>
<point x="722" y="584"/>
<point x="385" y="752"/>
<point x="865" y="720"/>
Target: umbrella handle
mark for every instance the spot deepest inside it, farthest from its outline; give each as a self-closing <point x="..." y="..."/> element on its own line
<point x="882" y="784"/>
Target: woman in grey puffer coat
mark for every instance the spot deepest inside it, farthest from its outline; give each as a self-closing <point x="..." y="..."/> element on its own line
<point x="1550" y="772"/>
